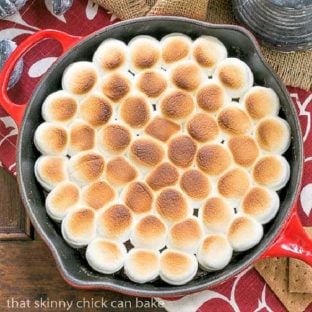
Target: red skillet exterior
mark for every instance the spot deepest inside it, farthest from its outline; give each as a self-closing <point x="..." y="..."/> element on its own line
<point x="289" y="238"/>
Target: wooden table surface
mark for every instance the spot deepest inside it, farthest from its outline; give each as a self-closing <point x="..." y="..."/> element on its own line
<point x="29" y="279"/>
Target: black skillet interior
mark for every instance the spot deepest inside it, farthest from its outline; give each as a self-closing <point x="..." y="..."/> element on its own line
<point x="71" y="262"/>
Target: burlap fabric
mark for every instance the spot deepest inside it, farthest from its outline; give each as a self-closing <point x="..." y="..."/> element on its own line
<point x="295" y="69"/>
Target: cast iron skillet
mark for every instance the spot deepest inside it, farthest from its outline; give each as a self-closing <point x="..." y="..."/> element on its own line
<point x="283" y="236"/>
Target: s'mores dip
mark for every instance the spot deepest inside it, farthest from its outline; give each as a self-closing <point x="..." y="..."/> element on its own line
<point x="161" y="157"/>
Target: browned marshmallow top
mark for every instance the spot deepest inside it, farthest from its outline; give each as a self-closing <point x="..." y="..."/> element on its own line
<point x="152" y="83"/>
<point x="233" y="183"/>
<point x="120" y="171"/>
<point x="203" y="127"/>
<point x="182" y="150"/>
<point x="81" y="136"/>
<point x="210" y="97"/>
<point x="195" y="184"/>
<point x="115" y="137"/>
<point x="115" y="86"/>
<point x="244" y="150"/>
<point x="96" y="110"/>
<point x="139" y="197"/>
<point x="135" y="111"/>
<point x="171" y="205"/>
<point x="234" y="121"/>
<point x="163" y="175"/>
<point x="98" y="194"/>
<point x="162" y="128"/>
<point x="147" y="152"/>
<point x="187" y="76"/>
<point x="213" y="159"/>
<point x="176" y="104"/>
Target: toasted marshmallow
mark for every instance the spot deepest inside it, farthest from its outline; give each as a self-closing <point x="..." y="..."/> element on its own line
<point x="244" y="150"/>
<point x="59" y="106"/>
<point x="171" y="205"/>
<point x="216" y="215"/>
<point x="79" y="227"/>
<point x="114" y="137"/>
<point x="187" y="75"/>
<point x="145" y="53"/>
<point x="211" y="97"/>
<point x="51" y="139"/>
<point x="273" y="135"/>
<point x="163" y="175"/>
<point x="185" y="235"/>
<point x="182" y="150"/>
<point x="162" y="129"/>
<point x="234" y="183"/>
<point x="147" y="152"/>
<point x="244" y="233"/>
<point x="213" y="159"/>
<point x="214" y="252"/>
<point x="138" y="197"/>
<point x="195" y="184"/>
<point x="272" y="171"/>
<point x="86" y="167"/>
<point x="152" y="83"/>
<point x="176" y="104"/>
<point x="81" y="137"/>
<point x="98" y="194"/>
<point x="135" y="110"/>
<point x="80" y="77"/>
<point x="261" y="204"/>
<point x="106" y="256"/>
<point x="233" y="120"/>
<point x="177" y="267"/>
<point x="116" y="85"/>
<point x="96" y="110"/>
<point x="175" y="47"/>
<point x="119" y="171"/>
<point x="149" y="232"/>
<point x="51" y="170"/>
<point x="235" y="76"/>
<point x="115" y="223"/>
<point x="142" y="265"/>
<point x="261" y="102"/>
<point x="61" y="199"/>
<point x="111" y="55"/>
<point x="208" y="52"/>
<point x="203" y="127"/>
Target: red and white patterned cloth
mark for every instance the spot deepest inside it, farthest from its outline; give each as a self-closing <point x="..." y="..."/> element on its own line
<point x="247" y="291"/>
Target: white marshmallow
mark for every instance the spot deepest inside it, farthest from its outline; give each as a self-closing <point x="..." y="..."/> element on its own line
<point x="214" y="252"/>
<point x="111" y="55"/>
<point x="208" y="51"/>
<point x="142" y="265"/>
<point x="79" y="227"/>
<point x="61" y="199"/>
<point x="176" y="267"/>
<point x="106" y="256"/>
<point x="244" y="233"/>
<point x="59" y="106"/>
<point x="235" y="76"/>
<point x="261" y="204"/>
<point x="51" y="139"/>
<point x="51" y="170"/>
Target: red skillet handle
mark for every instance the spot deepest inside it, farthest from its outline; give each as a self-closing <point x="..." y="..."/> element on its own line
<point x="17" y="110"/>
<point x="293" y="242"/>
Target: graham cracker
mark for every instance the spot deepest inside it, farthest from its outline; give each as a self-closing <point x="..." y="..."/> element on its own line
<point x="300" y="274"/>
<point x="275" y="272"/>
